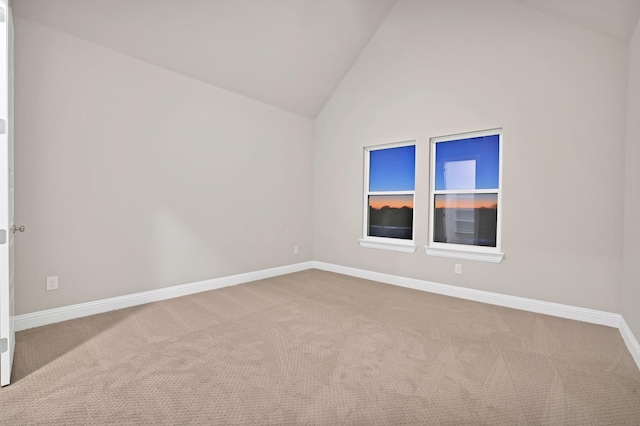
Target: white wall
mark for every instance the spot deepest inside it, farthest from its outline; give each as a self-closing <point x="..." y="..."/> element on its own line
<point x="630" y="295"/>
<point x="132" y="178"/>
<point x="558" y="90"/>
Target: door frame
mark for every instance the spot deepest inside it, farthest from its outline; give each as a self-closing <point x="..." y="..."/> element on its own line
<point x="7" y="278"/>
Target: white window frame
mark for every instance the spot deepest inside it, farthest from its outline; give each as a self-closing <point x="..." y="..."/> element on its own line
<point x="384" y="243"/>
<point x="464" y="251"/>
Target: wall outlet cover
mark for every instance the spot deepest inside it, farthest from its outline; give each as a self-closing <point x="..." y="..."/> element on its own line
<point x="52" y="283"/>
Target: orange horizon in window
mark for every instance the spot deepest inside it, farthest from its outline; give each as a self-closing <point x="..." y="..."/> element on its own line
<point x="466" y="203"/>
<point x="393" y="201"/>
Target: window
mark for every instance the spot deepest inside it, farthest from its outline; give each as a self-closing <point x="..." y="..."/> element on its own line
<point x="390" y="175"/>
<point x="465" y="203"/>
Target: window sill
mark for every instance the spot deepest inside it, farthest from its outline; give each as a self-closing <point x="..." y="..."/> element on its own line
<point x="401" y="248"/>
<point x="465" y="255"/>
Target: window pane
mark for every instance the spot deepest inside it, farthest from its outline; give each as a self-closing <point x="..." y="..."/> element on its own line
<point x="391" y="216"/>
<point x="470" y="219"/>
<point x="392" y="169"/>
<point x="468" y="163"/>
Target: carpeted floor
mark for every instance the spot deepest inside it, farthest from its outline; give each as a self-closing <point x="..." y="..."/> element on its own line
<point x="321" y="348"/>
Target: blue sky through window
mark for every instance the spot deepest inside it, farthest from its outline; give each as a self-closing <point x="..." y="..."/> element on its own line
<point x="392" y="169"/>
<point x="483" y="151"/>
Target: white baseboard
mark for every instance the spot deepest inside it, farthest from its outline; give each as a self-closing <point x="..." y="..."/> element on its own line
<point x="36" y="319"/>
<point x="50" y="316"/>
<point x="630" y="340"/>
<point x="538" y="306"/>
<point x="531" y="305"/>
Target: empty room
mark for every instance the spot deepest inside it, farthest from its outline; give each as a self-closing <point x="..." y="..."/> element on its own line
<point x="357" y="212"/>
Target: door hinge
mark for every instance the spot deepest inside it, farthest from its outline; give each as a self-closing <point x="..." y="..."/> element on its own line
<point x="4" y="345"/>
<point x="3" y="236"/>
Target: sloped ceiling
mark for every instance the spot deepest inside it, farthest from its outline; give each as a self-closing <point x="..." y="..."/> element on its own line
<point x="291" y="54"/>
<point x="615" y="18"/>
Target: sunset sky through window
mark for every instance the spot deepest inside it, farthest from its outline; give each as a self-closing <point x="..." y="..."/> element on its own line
<point x="395" y="201"/>
<point x="392" y="169"/>
<point x="466" y="201"/>
<point x="484" y="151"/>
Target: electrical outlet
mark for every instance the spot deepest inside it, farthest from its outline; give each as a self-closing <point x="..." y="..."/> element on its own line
<point x="295" y="250"/>
<point x="458" y="268"/>
<point x="52" y="283"/>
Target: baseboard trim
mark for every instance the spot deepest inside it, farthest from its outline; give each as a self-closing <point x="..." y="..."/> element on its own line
<point x="522" y="303"/>
<point x="538" y="306"/>
<point x="50" y="316"/>
<point x="630" y="340"/>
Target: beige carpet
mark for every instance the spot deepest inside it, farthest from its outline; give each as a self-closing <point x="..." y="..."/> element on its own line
<point x="320" y="348"/>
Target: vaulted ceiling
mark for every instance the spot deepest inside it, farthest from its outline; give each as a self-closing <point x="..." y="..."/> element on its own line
<point x="291" y="54"/>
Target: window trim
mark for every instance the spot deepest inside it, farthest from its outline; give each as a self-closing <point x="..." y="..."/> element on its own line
<point x="383" y="243"/>
<point x="464" y="251"/>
